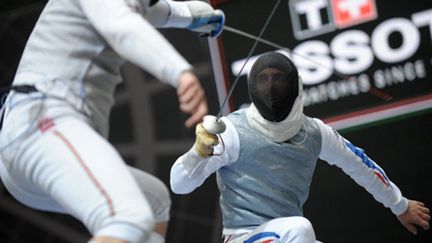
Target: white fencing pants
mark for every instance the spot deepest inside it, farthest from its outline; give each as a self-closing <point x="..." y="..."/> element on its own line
<point x="53" y="160"/>
<point x="280" y="230"/>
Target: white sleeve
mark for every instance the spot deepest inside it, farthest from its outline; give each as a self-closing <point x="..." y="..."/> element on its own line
<point x="338" y="151"/>
<point x="190" y="170"/>
<point x="167" y="14"/>
<point x="123" y="26"/>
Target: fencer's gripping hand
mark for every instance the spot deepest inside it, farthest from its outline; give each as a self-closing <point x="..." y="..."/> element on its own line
<point x="206" y="21"/>
<point x="204" y="141"/>
<point x="416" y="214"/>
<point x="192" y="98"/>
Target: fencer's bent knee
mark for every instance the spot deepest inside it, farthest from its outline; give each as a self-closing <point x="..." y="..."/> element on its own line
<point x="161" y="204"/>
<point x="132" y="222"/>
<point x="156" y="193"/>
<point x="303" y="226"/>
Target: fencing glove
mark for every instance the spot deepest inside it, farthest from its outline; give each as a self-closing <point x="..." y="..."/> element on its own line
<point x="206" y="21"/>
<point x="204" y="141"/>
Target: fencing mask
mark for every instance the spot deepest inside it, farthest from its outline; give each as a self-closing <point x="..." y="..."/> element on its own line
<point x="275" y="90"/>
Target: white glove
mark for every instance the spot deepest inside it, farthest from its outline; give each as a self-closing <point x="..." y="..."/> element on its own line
<point x="206" y="21"/>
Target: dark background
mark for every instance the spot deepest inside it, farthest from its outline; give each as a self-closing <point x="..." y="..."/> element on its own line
<point x="147" y="129"/>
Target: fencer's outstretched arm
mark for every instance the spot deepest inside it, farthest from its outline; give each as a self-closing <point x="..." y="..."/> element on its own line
<point x="338" y="151"/>
<point x="129" y="30"/>
<point x="191" y="169"/>
<point x="126" y="30"/>
<point x="124" y="25"/>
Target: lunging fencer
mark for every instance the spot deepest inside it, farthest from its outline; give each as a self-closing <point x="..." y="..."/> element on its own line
<point x="55" y="155"/>
<point x="266" y="157"/>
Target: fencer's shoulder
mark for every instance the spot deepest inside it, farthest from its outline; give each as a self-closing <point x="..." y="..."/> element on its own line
<point x="312" y="122"/>
<point x="317" y="121"/>
<point x="310" y="119"/>
<point x="328" y="133"/>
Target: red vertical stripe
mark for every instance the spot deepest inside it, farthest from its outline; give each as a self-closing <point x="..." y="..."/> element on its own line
<point x="87" y="170"/>
<point x="227" y="239"/>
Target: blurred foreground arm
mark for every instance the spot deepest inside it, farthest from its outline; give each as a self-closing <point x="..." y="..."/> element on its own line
<point x="192" y="98"/>
<point x="196" y="16"/>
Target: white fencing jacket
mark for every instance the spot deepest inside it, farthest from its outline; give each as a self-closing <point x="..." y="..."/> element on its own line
<point x="252" y="169"/>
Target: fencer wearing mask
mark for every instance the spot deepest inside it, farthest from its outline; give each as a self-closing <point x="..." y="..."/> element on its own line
<point x="266" y="157"/>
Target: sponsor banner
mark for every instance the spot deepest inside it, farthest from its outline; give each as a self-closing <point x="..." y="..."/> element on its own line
<point x="353" y="55"/>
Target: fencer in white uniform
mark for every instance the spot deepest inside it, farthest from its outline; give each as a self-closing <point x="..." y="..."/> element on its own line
<point x="53" y="142"/>
<point x="266" y="157"/>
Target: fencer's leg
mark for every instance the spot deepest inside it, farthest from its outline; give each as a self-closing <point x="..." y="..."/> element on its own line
<point x="85" y="175"/>
<point x="65" y="166"/>
<point x="301" y="230"/>
<point x="157" y="194"/>
<point x="283" y="230"/>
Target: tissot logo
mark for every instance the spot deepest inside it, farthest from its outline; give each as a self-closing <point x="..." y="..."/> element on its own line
<point x="315" y="17"/>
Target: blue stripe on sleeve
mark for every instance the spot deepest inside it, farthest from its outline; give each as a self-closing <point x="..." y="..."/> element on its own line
<point x="366" y="160"/>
